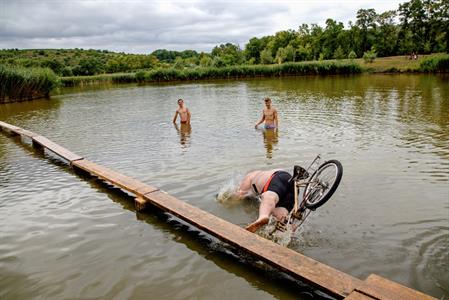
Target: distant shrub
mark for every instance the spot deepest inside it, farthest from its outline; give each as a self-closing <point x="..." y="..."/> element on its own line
<point x="67" y="71"/>
<point x="369" y="56"/>
<point x="435" y="64"/>
<point x="140" y="76"/>
<point x="338" y="53"/>
<point x="352" y="55"/>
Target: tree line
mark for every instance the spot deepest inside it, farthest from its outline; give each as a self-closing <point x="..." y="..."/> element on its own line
<point x="417" y="26"/>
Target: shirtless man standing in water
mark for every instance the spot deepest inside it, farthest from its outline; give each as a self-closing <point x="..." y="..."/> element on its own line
<point x="269" y="115"/>
<point x="183" y="112"/>
<point x="276" y="193"/>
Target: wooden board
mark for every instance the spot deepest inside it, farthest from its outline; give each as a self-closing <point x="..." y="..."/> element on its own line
<point x="8" y="127"/>
<point x="26" y="133"/>
<point x="332" y="281"/>
<point x="127" y="183"/>
<point x="381" y="288"/>
<point x="359" y="296"/>
<point x="55" y="148"/>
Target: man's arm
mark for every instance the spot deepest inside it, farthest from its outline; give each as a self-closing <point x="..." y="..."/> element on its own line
<point x="188" y="116"/>
<point x="276" y="118"/>
<point x="175" y="117"/>
<point x="261" y="120"/>
<point x="244" y="187"/>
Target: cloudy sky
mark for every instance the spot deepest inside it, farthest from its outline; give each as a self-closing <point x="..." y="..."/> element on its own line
<point x="135" y="26"/>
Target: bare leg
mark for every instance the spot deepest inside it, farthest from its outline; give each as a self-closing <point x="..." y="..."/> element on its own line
<point x="268" y="204"/>
<point x="280" y="213"/>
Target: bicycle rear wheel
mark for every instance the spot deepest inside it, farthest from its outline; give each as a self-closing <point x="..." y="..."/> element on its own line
<point x="322" y="184"/>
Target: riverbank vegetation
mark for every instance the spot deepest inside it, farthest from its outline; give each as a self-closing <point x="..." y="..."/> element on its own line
<point x="391" y="41"/>
<point x="439" y="64"/>
<point x="416" y="27"/>
<point x="201" y="73"/>
<point x="18" y="83"/>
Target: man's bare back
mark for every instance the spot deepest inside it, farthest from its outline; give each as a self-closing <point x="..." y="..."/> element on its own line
<point x="258" y="178"/>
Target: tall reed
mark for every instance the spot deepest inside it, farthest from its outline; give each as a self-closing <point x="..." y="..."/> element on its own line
<point x="435" y="64"/>
<point x="18" y="83"/>
<point x="241" y="71"/>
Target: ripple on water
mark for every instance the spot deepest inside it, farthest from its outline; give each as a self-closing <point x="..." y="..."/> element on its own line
<point x="64" y="236"/>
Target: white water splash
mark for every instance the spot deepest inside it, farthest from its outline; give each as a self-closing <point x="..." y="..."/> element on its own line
<point x="270" y="232"/>
<point x="227" y="193"/>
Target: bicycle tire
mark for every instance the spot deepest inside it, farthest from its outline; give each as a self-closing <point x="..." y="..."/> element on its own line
<point x="311" y="189"/>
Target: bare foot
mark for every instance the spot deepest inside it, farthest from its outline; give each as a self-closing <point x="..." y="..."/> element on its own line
<point x="257" y="224"/>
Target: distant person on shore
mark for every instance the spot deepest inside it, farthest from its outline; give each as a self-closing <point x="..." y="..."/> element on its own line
<point x="269" y="116"/>
<point x="183" y="112"/>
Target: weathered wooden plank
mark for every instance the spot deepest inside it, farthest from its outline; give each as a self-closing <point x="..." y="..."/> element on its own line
<point x="127" y="183"/>
<point x="332" y="281"/>
<point x="27" y="133"/>
<point x="55" y="148"/>
<point x="17" y="130"/>
<point x="359" y="296"/>
<point x="9" y="128"/>
<point x="381" y="288"/>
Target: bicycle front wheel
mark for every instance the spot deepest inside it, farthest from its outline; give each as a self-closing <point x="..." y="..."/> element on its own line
<point x="323" y="183"/>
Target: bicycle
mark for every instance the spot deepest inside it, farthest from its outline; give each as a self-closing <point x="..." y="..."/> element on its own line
<point x="318" y="189"/>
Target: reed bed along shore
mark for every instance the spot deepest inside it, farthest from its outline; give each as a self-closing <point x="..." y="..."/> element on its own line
<point x="231" y="72"/>
<point x="20" y="84"/>
<point x="437" y="64"/>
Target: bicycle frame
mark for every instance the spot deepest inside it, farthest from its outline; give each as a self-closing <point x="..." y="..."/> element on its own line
<point x="299" y="210"/>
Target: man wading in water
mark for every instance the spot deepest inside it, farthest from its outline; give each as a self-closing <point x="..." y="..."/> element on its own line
<point x="276" y="194"/>
<point x="269" y="115"/>
<point x="183" y="112"/>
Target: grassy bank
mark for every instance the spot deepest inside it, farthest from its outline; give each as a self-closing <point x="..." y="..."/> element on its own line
<point x="392" y="64"/>
<point x="397" y="64"/>
<point x="244" y="71"/>
<point x="18" y="84"/>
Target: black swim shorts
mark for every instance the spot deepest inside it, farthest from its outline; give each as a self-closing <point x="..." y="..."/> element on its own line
<point x="280" y="185"/>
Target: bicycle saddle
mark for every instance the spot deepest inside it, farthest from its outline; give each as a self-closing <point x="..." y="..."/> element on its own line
<point x="299" y="173"/>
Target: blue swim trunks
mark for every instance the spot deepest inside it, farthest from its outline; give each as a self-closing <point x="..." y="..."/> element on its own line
<point x="272" y="126"/>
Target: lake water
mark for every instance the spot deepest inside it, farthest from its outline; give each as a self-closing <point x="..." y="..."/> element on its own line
<point x="63" y="236"/>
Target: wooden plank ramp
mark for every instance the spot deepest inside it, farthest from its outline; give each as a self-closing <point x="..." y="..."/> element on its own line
<point x="325" y="278"/>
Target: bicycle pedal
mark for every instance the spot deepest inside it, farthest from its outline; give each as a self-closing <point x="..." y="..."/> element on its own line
<point x="297" y="215"/>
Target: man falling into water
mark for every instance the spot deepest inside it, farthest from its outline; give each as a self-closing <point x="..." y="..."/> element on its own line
<point x="276" y="192"/>
<point x="269" y="116"/>
<point x="183" y="112"/>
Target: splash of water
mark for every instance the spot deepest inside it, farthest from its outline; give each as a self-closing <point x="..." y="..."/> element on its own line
<point x="270" y="232"/>
<point x="227" y="193"/>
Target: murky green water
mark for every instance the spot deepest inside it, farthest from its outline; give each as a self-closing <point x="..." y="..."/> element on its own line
<point x="63" y="236"/>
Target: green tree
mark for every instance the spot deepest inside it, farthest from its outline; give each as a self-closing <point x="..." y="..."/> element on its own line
<point x="266" y="57"/>
<point x="339" y="54"/>
<point x="206" y="61"/>
<point x="281" y="55"/>
<point x="369" y="56"/>
<point x="387" y="34"/>
<point x="255" y="47"/>
<point x="366" y="22"/>
<point x="229" y="54"/>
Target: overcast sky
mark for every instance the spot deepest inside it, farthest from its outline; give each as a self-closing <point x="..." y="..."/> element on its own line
<point x="135" y="26"/>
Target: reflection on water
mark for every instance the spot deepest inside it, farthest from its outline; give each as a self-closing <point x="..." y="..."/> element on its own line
<point x="59" y="233"/>
<point x="184" y="131"/>
<point x="270" y="139"/>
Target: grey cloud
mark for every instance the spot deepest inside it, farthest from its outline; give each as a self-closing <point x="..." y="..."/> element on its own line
<point x="143" y="26"/>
